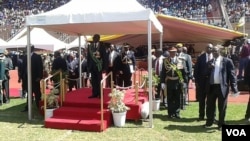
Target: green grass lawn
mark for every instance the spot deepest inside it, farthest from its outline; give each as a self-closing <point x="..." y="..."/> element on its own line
<point x="15" y="126"/>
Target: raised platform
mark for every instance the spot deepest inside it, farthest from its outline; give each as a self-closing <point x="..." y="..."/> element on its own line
<point x="81" y="113"/>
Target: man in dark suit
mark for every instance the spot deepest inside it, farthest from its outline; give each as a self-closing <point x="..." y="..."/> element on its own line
<point x="84" y="69"/>
<point x="126" y="67"/>
<point x="36" y="76"/>
<point x="247" y="82"/>
<point x="59" y="63"/>
<point x="96" y="64"/>
<point x="112" y="66"/>
<point x="200" y="75"/>
<point x="221" y="75"/>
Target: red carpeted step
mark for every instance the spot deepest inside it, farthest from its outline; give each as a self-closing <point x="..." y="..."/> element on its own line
<point x="76" y="124"/>
<point x="79" y="112"/>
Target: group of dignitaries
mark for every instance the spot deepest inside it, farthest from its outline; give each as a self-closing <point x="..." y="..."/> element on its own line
<point x="97" y="59"/>
<point x="214" y="76"/>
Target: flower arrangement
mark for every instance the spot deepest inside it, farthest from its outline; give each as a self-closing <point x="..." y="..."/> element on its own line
<point x="116" y="104"/>
<point x="52" y="99"/>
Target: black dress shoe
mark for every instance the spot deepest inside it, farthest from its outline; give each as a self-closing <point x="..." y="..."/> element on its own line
<point x="200" y="119"/>
<point x="207" y="125"/>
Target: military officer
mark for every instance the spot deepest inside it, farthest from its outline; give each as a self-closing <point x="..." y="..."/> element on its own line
<point x="172" y="80"/>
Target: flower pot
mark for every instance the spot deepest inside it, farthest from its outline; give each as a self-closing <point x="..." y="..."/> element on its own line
<point x="49" y="113"/>
<point x="119" y="118"/>
<point x="156" y="104"/>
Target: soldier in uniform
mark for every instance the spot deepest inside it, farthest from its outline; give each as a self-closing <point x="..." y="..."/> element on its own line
<point x="185" y="65"/>
<point x="172" y="80"/>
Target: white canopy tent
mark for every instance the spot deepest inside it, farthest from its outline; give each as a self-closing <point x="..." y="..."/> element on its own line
<point x="104" y="17"/>
<point x="40" y="39"/>
<point x="75" y="43"/>
<point x="2" y="42"/>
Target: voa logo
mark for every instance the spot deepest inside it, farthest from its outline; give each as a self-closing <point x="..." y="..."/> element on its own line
<point x="236" y="132"/>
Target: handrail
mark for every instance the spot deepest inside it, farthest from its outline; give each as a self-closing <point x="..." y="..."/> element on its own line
<point x="112" y="85"/>
<point x="43" y="89"/>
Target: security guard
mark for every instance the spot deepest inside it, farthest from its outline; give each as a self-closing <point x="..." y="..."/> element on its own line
<point x="172" y="80"/>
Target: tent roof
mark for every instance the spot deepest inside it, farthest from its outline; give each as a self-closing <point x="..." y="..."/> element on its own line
<point x="178" y="29"/>
<point x="2" y="42"/>
<point x="75" y="43"/>
<point x="40" y="39"/>
<point x="181" y="30"/>
<point x="88" y="17"/>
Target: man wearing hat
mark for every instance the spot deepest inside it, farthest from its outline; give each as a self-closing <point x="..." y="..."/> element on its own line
<point x="126" y="66"/>
<point x="171" y="79"/>
<point x="185" y="65"/>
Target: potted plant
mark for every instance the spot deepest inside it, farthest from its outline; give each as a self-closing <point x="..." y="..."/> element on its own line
<point x="155" y="81"/>
<point x="51" y="102"/>
<point x="118" y="107"/>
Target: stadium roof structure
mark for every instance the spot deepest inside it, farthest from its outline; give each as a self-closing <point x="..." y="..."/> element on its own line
<point x="181" y="30"/>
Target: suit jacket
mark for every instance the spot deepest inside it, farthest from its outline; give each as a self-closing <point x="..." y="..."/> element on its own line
<point x="200" y="69"/>
<point x="227" y="75"/>
<point x="93" y="62"/>
<point x="36" y="67"/>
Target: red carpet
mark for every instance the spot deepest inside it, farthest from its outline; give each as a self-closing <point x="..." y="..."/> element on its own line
<point x="81" y="113"/>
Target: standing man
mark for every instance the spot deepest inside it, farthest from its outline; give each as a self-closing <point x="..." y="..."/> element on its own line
<point x="221" y="76"/>
<point x="112" y="67"/>
<point x="126" y="67"/>
<point x="6" y="83"/>
<point x="172" y="80"/>
<point x="36" y="76"/>
<point x="185" y="65"/>
<point x="247" y="81"/>
<point x="200" y="75"/>
<point x="96" y="64"/>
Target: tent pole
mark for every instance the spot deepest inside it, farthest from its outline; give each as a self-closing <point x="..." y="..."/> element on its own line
<point x="161" y="38"/>
<point x="150" y="73"/>
<point x="29" y="74"/>
<point x="80" y="61"/>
